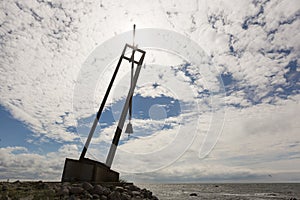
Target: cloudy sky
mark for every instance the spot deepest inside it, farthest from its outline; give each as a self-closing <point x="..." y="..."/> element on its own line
<point x="217" y="99"/>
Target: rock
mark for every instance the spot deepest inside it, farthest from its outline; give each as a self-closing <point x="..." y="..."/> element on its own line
<point x="96" y="196"/>
<point x="193" y="195"/>
<point x="106" y="191"/>
<point x="103" y="197"/>
<point x="136" y="193"/>
<point x="66" y="184"/>
<point x="146" y="193"/>
<point x="76" y="190"/>
<point x="73" y="197"/>
<point x="132" y="188"/>
<point x="137" y="198"/>
<point x="98" y="189"/>
<point x="114" y="196"/>
<point x="88" y="196"/>
<point x="63" y="191"/>
<point x="125" y="196"/>
<point x="154" y="198"/>
<point x="52" y="191"/>
<point x="5" y="197"/>
<point x="129" y="192"/>
<point x="87" y="186"/>
<point x="41" y="185"/>
<point x="4" y="188"/>
<point x="119" y="189"/>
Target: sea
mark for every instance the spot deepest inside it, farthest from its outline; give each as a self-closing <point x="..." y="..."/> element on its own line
<point x="253" y="191"/>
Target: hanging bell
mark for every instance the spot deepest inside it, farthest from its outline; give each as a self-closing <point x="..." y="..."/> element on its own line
<point x="129" y="128"/>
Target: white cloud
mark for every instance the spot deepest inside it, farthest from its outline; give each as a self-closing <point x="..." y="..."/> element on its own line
<point x="19" y="163"/>
<point x="256" y="142"/>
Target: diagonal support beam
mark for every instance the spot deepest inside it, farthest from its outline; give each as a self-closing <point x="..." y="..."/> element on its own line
<point x="115" y="142"/>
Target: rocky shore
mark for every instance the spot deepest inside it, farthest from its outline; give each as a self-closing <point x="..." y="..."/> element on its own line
<point x="56" y="190"/>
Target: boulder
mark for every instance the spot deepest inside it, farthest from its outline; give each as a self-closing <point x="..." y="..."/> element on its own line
<point x="132" y="188"/>
<point x="103" y="197"/>
<point x="154" y="198"/>
<point x="96" y="196"/>
<point x="106" y="191"/>
<point x="87" y="186"/>
<point x="76" y="190"/>
<point x="146" y="193"/>
<point x="125" y="196"/>
<point x="193" y="195"/>
<point x="98" y="189"/>
<point x="73" y="197"/>
<point x="136" y="193"/>
<point x="4" y="188"/>
<point x="63" y="191"/>
<point x="114" y="196"/>
<point x="6" y="197"/>
<point x="119" y="189"/>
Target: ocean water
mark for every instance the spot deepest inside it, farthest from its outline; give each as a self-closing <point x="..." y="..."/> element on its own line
<point x="253" y="191"/>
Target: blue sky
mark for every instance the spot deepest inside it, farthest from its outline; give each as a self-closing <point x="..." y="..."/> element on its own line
<point x="189" y="126"/>
<point x="15" y="133"/>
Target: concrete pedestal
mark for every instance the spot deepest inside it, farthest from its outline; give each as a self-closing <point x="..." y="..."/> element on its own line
<point x="88" y="170"/>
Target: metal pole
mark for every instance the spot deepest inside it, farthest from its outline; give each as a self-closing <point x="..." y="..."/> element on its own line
<point x="131" y="77"/>
<point x="113" y="147"/>
<point x="87" y="143"/>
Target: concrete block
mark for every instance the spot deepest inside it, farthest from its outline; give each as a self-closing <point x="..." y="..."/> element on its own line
<point x="88" y="170"/>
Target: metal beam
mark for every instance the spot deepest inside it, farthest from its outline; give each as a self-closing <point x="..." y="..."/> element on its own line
<point x="113" y="147"/>
<point x="97" y="118"/>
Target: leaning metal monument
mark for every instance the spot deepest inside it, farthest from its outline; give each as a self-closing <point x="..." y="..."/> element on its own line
<point x="86" y="169"/>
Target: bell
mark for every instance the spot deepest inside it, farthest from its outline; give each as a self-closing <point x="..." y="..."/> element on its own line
<point x="129" y="128"/>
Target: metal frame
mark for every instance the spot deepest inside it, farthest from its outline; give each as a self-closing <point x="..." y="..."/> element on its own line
<point x="119" y="128"/>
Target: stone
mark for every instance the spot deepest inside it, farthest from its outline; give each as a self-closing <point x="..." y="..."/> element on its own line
<point x="63" y="191"/>
<point x="4" y="188"/>
<point x="129" y="192"/>
<point x="137" y="198"/>
<point x="114" y="196"/>
<point x="106" y="191"/>
<point x="52" y="191"/>
<point x="76" y="190"/>
<point x="125" y="196"/>
<point x="193" y="195"/>
<point x="136" y="193"/>
<point x="119" y="189"/>
<point x="154" y="198"/>
<point x="42" y="185"/>
<point x="132" y="188"/>
<point x="5" y="197"/>
<point x="103" y="197"/>
<point x="98" y="189"/>
<point x="87" y="186"/>
<point x="88" y="196"/>
<point x="146" y="193"/>
<point x="73" y="197"/>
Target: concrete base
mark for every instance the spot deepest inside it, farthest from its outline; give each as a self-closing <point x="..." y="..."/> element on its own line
<point x="88" y="170"/>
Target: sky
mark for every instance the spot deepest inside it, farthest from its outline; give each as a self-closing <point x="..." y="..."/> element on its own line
<point x="217" y="99"/>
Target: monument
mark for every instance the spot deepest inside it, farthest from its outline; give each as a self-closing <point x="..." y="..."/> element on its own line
<point x="86" y="169"/>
